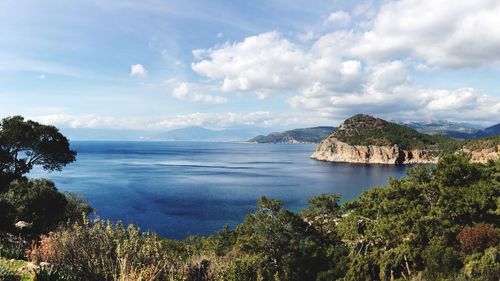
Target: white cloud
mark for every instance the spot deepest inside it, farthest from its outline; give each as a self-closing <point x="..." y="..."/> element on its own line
<point x="268" y="63"/>
<point x="386" y="76"/>
<point x="306" y="36"/>
<point x="365" y="68"/>
<point x="330" y="81"/>
<point x="445" y="33"/>
<point x="192" y="92"/>
<point x="338" y="17"/>
<point x="85" y="121"/>
<point x="137" y="70"/>
<point x="263" y="62"/>
<point x="207" y="120"/>
<point x="387" y="91"/>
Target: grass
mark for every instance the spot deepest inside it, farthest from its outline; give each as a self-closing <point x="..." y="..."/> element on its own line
<point x="15" y="265"/>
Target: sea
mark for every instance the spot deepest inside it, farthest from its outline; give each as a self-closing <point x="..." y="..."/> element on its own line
<point x="179" y="189"/>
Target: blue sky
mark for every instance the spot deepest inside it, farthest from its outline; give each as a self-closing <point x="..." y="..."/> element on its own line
<point x="160" y="65"/>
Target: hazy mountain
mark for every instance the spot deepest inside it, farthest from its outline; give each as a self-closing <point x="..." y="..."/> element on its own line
<point x="204" y="134"/>
<point x="457" y="130"/>
<point x="493" y="130"/>
<point x="105" y="134"/>
<point x="440" y="126"/>
<point x="303" y="135"/>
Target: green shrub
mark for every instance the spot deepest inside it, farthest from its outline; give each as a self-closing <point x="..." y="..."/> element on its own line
<point x="42" y="205"/>
<point x="483" y="267"/>
<point x="104" y="251"/>
<point x="11" y="251"/>
<point x="7" y="274"/>
<point x="244" y="268"/>
<point x="50" y="273"/>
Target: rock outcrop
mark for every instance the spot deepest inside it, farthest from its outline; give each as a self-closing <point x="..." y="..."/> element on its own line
<point x="369" y="140"/>
<point x="484" y="155"/>
<point x="333" y="150"/>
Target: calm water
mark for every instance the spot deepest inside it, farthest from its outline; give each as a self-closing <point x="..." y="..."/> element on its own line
<point x="182" y="188"/>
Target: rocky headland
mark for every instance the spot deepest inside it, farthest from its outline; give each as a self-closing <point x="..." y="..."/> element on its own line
<point x="369" y="140"/>
<point x="333" y="150"/>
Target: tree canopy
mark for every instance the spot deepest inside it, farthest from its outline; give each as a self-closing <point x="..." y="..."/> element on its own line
<point x="25" y="144"/>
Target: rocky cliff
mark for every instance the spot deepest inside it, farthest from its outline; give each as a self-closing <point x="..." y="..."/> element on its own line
<point x="333" y="150"/>
<point x="370" y="140"/>
<point x="484" y="155"/>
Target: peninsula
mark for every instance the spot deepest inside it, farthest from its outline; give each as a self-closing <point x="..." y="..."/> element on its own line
<point x="370" y="140"/>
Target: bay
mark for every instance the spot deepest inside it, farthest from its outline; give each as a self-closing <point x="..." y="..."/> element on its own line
<point x="195" y="188"/>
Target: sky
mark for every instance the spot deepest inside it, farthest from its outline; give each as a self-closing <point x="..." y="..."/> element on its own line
<point x="277" y="64"/>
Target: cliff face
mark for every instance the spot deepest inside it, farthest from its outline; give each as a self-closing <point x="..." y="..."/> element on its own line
<point x="484" y="155"/>
<point x="333" y="150"/>
<point x="369" y="140"/>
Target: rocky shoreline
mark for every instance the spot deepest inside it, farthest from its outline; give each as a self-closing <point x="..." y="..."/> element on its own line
<point x="333" y="150"/>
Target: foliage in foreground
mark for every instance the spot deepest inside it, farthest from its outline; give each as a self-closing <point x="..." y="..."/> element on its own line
<point x="40" y="205"/>
<point x="36" y="206"/>
<point x="437" y="223"/>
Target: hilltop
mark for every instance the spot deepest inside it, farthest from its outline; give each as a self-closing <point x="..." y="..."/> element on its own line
<point x="368" y="130"/>
<point x="367" y="139"/>
<point x="302" y="135"/>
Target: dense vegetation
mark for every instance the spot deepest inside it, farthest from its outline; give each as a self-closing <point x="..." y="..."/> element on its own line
<point x="305" y="135"/>
<point x="439" y="222"/>
<point x="368" y="130"/>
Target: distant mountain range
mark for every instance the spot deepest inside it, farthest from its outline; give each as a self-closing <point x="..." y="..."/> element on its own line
<point x="183" y="134"/>
<point x="248" y="133"/>
<point x="91" y="134"/>
<point x="453" y="129"/>
<point x="303" y="135"/>
<point x="204" y="134"/>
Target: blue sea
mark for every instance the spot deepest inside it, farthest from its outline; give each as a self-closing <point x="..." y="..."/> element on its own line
<point x="195" y="188"/>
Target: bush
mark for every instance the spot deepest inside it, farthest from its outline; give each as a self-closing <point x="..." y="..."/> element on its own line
<point x="7" y="274"/>
<point x="477" y="238"/>
<point x="243" y="268"/>
<point x="102" y="251"/>
<point x="12" y="247"/>
<point x="50" y="274"/>
<point x="441" y="261"/>
<point x="484" y="267"/>
<point x="41" y="204"/>
<point x="11" y="251"/>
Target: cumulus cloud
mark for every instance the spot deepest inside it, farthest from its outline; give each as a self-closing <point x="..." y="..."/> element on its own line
<point x="366" y="68"/>
<point x="269" y="63"/>
<point x="192" y="92"/>
<point x="137" y="70"/>
<point x="208" y="120"/>
<point x="263" y="62"/>
<point x="306" y="36"/>
<point x="446" y="33"/>
<point x="387" y="92"/>
<point x="85" y="121"/>
<point x="339" y="17"/>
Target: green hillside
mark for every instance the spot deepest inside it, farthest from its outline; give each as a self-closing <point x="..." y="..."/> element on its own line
<point x="368" y="130"/>
<point x="303" y="135"/>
